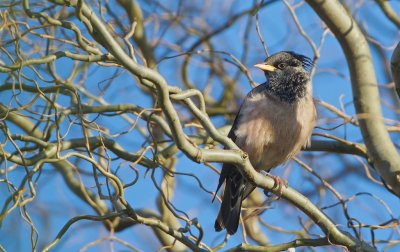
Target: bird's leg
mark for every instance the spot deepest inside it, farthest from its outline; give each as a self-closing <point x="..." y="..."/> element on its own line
<point x="278" y="183"/>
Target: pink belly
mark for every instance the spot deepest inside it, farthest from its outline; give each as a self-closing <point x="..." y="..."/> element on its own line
<point x="273" y="135"/>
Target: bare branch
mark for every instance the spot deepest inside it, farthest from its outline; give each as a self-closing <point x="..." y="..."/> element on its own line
<point x="365" y="92"/>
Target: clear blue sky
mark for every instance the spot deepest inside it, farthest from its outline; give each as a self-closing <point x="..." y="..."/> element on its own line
<point x="280" y="33"/>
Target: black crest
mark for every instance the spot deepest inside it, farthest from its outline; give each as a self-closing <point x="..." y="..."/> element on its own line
<point x="305" y="61"/>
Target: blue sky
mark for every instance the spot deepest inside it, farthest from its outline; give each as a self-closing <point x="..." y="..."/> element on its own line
<point x="280" y="33"/>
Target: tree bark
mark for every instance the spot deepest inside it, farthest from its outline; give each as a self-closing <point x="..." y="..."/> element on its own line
<point x="380" y="147"/>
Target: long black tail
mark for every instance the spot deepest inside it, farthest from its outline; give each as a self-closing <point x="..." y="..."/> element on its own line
<point x="236" y="190"/>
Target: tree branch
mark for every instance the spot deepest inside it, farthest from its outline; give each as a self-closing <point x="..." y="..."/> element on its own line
<point x="285" y="246"/>
<point x="235" y="157"/>
<point x="389" y="12"/>
<point x="380" y="147"/>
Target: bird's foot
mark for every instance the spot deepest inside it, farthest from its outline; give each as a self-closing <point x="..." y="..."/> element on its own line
<point x="278" y="184"/>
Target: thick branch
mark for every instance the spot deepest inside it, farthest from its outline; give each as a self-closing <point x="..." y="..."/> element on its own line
<point x="134" y="12"/>
<point x="380" y="147"/>
<point x="336" y="147"/>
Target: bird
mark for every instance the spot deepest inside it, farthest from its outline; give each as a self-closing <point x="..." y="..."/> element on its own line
<point x="274" y="122"/>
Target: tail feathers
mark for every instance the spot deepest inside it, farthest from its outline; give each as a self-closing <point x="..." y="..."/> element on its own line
<point x="229" y="213"/>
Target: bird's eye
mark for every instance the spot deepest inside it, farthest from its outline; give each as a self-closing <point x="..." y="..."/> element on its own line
<point x="281" y="65"/>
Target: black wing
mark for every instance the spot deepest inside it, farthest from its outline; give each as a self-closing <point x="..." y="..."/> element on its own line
<point x="236" y="188"/>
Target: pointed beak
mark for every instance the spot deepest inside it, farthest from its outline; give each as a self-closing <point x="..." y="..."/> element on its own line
<point x="265" y="67"/>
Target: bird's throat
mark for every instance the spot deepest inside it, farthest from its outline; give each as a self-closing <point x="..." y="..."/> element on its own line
<point x="289" y="88"/>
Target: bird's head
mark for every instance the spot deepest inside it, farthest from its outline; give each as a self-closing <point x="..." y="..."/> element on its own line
<point x="284" y="63"/>
<point x="287" y="74"/>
